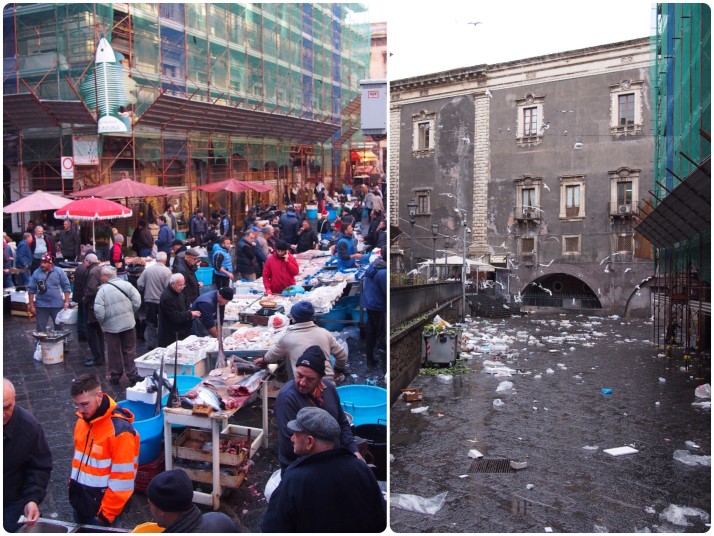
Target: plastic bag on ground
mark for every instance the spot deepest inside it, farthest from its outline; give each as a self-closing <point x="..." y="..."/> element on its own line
<point x="504" y="386"/>
<point x="677" y="515"/>
<point x="350" y="332"/>
<point x="703" y="391"/>
<point x="38" y="352"/>
<point x="688" y="458"/>
<point x="415" y="503"/>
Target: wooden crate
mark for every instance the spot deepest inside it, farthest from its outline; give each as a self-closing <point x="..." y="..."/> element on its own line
<point x="190" y="442"/>
<point x="206" y="477"/>
<point x="411" y="395"/>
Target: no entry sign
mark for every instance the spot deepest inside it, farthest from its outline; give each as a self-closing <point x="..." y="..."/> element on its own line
<point x="67" y="167"/>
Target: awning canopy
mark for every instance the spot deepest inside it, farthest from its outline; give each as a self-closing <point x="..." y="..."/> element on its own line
<point x="26" y="110"/>
<point x="180" y="113"/>
<point x="456" y="260"/>
<point x="684" y="213"/>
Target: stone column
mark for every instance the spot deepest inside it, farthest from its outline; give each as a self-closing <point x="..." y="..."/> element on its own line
<point x="482" y="167"/>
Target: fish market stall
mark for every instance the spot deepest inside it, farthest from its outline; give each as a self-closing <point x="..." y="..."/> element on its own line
<point x="210" y="450"/>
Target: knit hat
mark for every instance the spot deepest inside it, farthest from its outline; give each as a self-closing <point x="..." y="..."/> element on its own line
<point x="316" y="422"/>
<point x="47" y="257"/>
<point x="302" y="311"/>
<point x="171" y="491"/>
<point x="282" y="245"/>
<point x="177" y="242"/>
<point x="313" y="358"/>
<point x="226" y="293"/>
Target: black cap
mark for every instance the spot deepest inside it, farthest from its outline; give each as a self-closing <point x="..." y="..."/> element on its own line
<point x="177" y="242"/>
<point x="226" y="293"/>
<point x="313" y="358"/>
<point x="171" y="491"/>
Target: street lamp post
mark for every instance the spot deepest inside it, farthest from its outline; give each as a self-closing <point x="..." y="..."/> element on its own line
<point x="412" y="205"/>
<point x="446" y="254"/>
<point x="435" y="233"/>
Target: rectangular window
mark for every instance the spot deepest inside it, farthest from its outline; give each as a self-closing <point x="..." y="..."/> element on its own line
<point x="528" y="199"/>
<point x="530" y="121"/>
<point x="623" y="243"/>
<point x="624" y="193"/>
<point x="626" y="109"/>
<point x="572" y="200"/>
<point x="424" y="141"/>
<point x="423" y="202"/>
<point x="528" y="249"/>
<point x="571" y="244"/>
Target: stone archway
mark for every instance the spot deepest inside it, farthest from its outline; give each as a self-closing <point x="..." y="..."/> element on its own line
<point x="562" y="290"/>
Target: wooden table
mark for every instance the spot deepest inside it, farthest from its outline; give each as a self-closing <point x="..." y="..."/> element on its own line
<point x="215" y="422"/>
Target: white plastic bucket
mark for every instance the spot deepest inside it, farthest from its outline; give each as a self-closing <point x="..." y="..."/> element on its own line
<point x="52" y="352"/>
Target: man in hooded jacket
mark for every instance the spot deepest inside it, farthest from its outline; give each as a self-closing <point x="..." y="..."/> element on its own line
<point x="374" y="300"/>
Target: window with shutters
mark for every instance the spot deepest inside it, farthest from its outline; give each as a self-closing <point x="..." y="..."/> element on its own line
<point x="423" y="133"/>
<point x="571" y="244"/>
<point x="527" y="249"/>
<point x="529" y="122"/>
<point x="626" y="103"/>
<point x="572" y="198"/>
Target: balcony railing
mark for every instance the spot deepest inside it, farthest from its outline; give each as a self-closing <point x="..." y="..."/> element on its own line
<point x="527" y="213"/>
<point x="623" y="210"/>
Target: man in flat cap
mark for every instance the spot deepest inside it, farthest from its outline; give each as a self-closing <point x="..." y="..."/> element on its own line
<point x="171" y="503"/>
<point x="309" y="389"/>
<point x="327" y="489"/>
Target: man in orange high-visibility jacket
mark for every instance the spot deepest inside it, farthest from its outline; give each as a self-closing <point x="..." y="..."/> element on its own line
<point x="106" y="455"/>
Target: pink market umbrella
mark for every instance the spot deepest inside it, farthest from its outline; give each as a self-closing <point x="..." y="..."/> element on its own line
<point x="93" y="209"/>
<point x="235" y="186"/>
<point x="38" y="200"/>
<point x="123" y="189"/>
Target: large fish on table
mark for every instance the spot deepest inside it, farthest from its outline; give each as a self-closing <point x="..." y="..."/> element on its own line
<point x="249" y="385"/>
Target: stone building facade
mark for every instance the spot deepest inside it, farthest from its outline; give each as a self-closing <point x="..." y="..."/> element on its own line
<point x="548" y="159"/>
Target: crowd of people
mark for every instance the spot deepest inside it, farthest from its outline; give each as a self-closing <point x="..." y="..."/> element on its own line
<point x="316" y="449"/>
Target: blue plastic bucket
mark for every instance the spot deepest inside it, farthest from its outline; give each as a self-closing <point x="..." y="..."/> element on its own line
<point x="331" y="214"/>
<point x="312" y="212"/>
<point x="149" y="427"/>
<point x="180" y="235"/>
<point x="366" y="403"/>
<point x="205" y="275"/>
<point x="185" y="383"/>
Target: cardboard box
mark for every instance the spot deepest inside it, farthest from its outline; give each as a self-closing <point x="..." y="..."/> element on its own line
<point x="411" y="395"/>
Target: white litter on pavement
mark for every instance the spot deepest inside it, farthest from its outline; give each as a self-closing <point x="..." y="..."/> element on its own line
<point x="504" y="386"/>
<point x="498" y="403"/>
<point x="444" y="378"/>
<point x="677" y="515"/>
<point x="703" y="391"/>
<point x="703" y="405"/>
<point x="475" y="454"/>
<point x="620" y="451"/>
<point x="420" y="410"/>
<point x="549" y="371"/>
<point x="591" y="447"/>
<point x="415" y="503"/>
<point x="688" y="458"/>
<point x="691" y="445"/>
<point x="530" y="486"/>
<point x="650" y="510"/>
<point x="662" y="380"/>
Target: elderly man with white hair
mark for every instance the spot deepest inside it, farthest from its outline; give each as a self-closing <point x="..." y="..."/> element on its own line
<point x="175" y="314"/>
<point x="116" y="304"/>
<point x="152" y="282"/>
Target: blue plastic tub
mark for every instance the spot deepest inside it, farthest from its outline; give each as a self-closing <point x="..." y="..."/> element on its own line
<point x="149" y="427"/>
<point x="185" y="384"/>
<point x="180" y="235"/>
<point x="311" y="212"/>
<point x="366" y="403"/>
<point x="331" y="214"/>
<point x="332" y="321"/>
<point x="205" y="275"/>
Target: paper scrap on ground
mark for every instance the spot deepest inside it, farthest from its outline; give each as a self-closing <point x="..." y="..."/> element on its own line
<point x="473" y="453"/>
<point x="620" y="451"/>
<point x="678" y="514"/>
<point x="420" y="410"/>
<point x="687" y="458"/>
<point x="415" y="503"/>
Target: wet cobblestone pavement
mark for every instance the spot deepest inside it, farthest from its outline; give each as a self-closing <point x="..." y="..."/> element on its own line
<point x="44" y="390"/>
<point x="553" y="411"/>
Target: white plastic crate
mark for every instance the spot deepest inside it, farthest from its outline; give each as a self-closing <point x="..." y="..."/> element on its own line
<point x="188" y="365"/>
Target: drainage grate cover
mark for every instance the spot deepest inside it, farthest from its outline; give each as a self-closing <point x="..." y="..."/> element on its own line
<point x="491" y="465"/>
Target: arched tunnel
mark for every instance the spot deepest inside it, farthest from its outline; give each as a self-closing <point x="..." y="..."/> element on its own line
<point x="560" y="290"/>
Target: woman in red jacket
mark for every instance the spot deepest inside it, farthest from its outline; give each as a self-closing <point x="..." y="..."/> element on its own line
<point x="280" y="269"/>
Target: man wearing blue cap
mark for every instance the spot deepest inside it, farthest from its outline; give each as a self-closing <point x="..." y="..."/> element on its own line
<point x="327" y="489"/>
<point x="299" y="337"/>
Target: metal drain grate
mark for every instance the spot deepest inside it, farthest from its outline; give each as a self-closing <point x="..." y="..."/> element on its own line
<point x="491" y="465"/>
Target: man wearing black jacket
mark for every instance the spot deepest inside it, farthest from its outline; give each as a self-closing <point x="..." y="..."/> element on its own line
<point x="175" y="314"/>
<point x="187" y="265"/>
<point x="27" y="462"/>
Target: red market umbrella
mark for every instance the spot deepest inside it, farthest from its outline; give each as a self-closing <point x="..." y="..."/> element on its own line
<point x="123" y="189"/>
<point x="93" y="209"/>
<point x="38" y="200"/>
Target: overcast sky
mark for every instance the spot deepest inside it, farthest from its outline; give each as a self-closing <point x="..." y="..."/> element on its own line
<point x="426" y="37"/>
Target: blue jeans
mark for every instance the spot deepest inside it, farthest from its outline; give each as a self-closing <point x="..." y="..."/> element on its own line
<point x="44" y="314"/>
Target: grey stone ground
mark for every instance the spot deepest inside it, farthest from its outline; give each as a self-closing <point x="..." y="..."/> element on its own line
<point x="547" y="422"/>
<point x="44" y="390"/>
